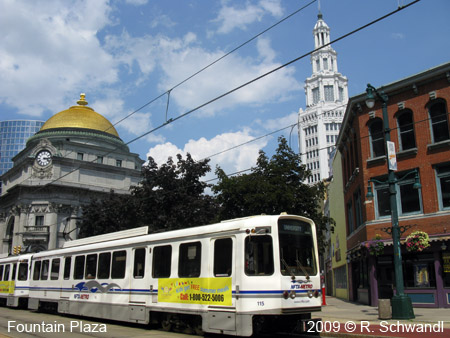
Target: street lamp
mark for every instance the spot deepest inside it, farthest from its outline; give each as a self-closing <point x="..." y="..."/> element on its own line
<point x="401" y="303"/>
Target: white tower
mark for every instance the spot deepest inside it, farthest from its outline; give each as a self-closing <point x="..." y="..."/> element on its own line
<point x="326" y="99"/>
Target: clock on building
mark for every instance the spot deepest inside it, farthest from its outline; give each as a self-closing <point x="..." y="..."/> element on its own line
<point x="43" y="158"/>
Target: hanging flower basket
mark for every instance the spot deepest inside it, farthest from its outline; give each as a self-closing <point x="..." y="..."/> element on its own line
<point x="417" y="241"/>
<point x="376" y="246"/>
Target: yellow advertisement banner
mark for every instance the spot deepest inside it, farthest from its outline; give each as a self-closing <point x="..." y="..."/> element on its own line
<point x="7" y="287"/>
<point x="209" y="291"/>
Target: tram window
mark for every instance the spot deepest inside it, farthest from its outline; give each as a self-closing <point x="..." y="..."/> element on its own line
<point x="223" y="253"/>
<point x="139" y="263"/>
<point x="91" y="266"/>
<point x="104" y="265"/>
<point x="44" y="269"/>
<point x="162" y="261"/>
<point x="189" y="261"/>
<point x="259" y="256"/>
<point x="7" y="269"/>
<point x="1" y="272"/>
<point x="13" y="276"/>
<point x="23" y="271"/>
<point x="54" y="275"/>
<point x="37" y="270"/>
<point x="67" y="263"/>
<point x="78" y="271"/>
<point x="119" y="264"/>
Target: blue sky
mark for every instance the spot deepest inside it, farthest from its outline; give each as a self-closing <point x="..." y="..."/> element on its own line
<point x="125" y="53"/>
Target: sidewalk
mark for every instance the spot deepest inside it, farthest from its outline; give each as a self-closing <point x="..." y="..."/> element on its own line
<point x="342" y="318"/>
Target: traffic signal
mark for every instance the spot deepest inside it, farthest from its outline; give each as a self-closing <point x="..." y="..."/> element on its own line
<point x="15" y="250"/>
<point x="19" y="249"/>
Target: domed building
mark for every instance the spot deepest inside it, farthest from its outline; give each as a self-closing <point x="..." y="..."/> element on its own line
<point x="76" y="156"/>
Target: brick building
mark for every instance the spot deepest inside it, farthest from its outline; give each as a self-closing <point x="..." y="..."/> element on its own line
<point x="418" y="109"/>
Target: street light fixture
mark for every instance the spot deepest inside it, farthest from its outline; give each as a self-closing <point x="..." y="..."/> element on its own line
<point x="401" y="303"/>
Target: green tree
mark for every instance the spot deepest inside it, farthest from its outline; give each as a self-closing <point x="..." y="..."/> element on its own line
<point x="275" y="185"/>
<point x="172" y="196"/>
<point x="114" y="213"/>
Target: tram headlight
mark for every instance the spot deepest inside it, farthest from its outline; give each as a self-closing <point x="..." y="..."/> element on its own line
<point x="310" y="294"/>
<point x="285" y="294"/>
<point x="316" y="293"/>
<point x="292" y="294"/>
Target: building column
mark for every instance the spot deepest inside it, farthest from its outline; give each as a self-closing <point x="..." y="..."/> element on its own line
<point x="52" y="227"/>
<point x="441" y="300"/>
<point x="21" y="225"/>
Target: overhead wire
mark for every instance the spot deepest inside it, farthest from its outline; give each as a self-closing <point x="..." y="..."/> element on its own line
<point x="169" y="121"/>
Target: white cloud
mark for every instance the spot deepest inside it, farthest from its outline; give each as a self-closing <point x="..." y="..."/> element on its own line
<point x="49" y="51"/>
<point x="231" y="18"/>
<point x="136" y="2"/>
<point x="240" y="158"/>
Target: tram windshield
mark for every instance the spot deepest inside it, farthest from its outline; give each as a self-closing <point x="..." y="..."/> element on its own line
<point x="296" y="248"/>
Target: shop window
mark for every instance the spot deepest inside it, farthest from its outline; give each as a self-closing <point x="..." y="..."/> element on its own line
<point x="139" y="263"/>
<point x="189" y="261"/>
<point x="162" y="261"/>
<point x="418" y="270"/>
<point x="223" y="255"/>
<point x="446" y="268"/>
<point x="438" y="121"/>
<point x="258" y="256"/>
<point x="443" y="186"/>
<point x="118" y="265"/>
<point x="104" y="265"/>
<point x="377" y="138"/>
<point x="406" y="130"/>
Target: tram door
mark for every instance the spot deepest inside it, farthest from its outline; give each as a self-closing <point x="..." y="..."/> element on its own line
<point x="223" y="270"/>
<point x="138" y="278"/>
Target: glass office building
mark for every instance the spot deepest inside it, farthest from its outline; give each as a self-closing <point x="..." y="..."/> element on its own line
<point x="13" y="137"/>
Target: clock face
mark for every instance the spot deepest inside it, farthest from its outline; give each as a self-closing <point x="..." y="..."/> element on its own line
<point x="44" y="158"/>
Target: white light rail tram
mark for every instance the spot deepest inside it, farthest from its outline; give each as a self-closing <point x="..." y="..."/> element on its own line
<point x="239" y="277"/>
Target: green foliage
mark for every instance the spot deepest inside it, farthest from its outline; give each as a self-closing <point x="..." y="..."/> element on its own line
<point x="171" y="196"/>
<point x="114" y="213"/>
<point x="168" y="197"/>
<point x="275" y="185"/>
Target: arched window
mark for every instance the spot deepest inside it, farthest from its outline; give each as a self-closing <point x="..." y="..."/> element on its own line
<point x="377" y="138"/>
<point x="405" y="123"/>
<point x="439" y="121"/>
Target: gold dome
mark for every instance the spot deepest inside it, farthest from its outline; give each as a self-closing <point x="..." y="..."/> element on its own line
<point x="80" y="117"/>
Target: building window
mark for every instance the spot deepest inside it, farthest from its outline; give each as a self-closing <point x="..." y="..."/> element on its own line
<point x="316" y="95"/>
<point x="341" y="94"/>
<point x="439" y="121"/>
<point x="80" y="156"/>
<point x="317" y="65"/>
<point x="39" y="221"/>
<point x="358" y="209"/>
<point x="118" y="163"/>
<point x="406" y="130"/>
<point x="350" y="217"/>
<point x="443" y="186"/>
<point x="377" y="138"/>
<point x="329" y="93"/>
<point x="100" y="159"/>
<point x="325" y="63"/>
<point x="408" y="198"/>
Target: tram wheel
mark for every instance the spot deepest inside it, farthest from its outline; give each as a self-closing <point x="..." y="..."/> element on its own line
<point x="166" y="323"/>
